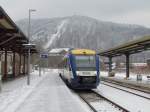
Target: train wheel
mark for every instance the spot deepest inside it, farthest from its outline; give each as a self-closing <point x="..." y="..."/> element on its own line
<point x="68" y="84"/>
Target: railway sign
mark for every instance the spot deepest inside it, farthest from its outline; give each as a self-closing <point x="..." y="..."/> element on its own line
<point x="45" y="55"/>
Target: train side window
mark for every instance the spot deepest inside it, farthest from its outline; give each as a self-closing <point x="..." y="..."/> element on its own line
<point x="65" y="64"/>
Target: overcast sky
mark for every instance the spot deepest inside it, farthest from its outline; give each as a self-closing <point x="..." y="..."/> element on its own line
<point x="120" y="11"/>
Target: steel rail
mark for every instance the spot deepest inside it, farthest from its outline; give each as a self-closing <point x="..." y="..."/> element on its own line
<point x="126" y="90"/>
<point x="102" y="97"/>
<point x="130" y="87"/>
<point x="88" y="103"/>
<point x="112" y="102"/>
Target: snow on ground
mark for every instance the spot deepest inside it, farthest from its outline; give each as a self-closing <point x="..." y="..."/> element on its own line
<point x="14" y="92"/>
<point x="123" y="75"/>
<point x="129" y="101"/>
<point x="55" y="70"/>
<point x="104" y="106"/>
<point x="128" y="89"/>
<point x="52" y="95"/>
<point x="47" y="93"/>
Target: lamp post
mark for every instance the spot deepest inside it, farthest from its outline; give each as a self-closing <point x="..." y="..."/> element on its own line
<point x="29" y="46"/>
<point x="29" y="24"/>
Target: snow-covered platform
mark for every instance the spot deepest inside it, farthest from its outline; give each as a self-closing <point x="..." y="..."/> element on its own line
<point x="47" y="93"/>
<point x="144" y="84"/>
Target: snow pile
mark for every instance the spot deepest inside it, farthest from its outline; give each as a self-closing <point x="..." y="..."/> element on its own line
<point x="14" y="92"/>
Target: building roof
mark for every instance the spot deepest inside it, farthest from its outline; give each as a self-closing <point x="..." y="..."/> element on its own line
<point x="132" y="47"/>
<point x="58" y="50"/>
<point x="11" y="37"/>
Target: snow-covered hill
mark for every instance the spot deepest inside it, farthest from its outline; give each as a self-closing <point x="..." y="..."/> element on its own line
<point x="82" y="32"/>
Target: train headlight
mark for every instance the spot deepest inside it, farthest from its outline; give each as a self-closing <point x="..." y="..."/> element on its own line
<point x="71" y="75"/>
<point x="78" y="73"/>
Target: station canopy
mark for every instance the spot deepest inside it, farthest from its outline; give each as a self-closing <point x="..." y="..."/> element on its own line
<point x="11" y="37"/>
<point x="132" y="47"/>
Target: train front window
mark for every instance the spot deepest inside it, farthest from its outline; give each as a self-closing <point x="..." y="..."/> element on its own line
<point x="85" y="63"/>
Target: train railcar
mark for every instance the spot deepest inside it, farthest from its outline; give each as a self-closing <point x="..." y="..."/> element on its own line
<point x="80" y="69"/>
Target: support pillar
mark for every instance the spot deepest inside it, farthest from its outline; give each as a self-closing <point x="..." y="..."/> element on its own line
<point x="19" y="63"/>
<point x="110" y="64"/>
<point x="0" y="75"/>
<point x="14" y="64"/>
<point x="5" y="66"/>
<point x="127" y="65"/>
<point x="28" y="76"/>
<point x="24" y="64"/>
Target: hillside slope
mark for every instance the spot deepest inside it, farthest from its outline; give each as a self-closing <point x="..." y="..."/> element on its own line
<point x="82" y="32"/>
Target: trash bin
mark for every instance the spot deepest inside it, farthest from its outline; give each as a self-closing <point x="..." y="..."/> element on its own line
<point x="139" y="77"/>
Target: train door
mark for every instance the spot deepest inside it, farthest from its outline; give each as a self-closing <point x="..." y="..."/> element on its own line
<point x="66" y="69"/>
<point x="69" y="71"/>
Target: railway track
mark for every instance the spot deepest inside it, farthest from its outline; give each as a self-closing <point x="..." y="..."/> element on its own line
<point x="99" y="103"/>
<point x="130" y="90"/>
<point x="127" y="86"/>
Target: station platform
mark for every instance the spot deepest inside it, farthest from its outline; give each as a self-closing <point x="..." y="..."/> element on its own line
<point x="47" y="93"/>
<point x="143" y="85"/>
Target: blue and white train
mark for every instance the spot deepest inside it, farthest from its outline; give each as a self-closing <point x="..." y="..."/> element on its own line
<point x="80" y="69"/>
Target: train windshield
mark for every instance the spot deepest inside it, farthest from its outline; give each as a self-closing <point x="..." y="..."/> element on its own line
<point x="85" y="63"/>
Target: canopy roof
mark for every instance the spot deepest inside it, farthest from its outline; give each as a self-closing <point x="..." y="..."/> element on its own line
<point x="128" y="48"/>
<point x="11" y="37"/>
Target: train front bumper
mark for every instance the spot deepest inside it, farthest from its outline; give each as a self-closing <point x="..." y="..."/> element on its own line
<point x="85" y="82"/>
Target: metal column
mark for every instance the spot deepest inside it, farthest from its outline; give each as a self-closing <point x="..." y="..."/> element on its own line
<point x="24" y="64"/>
<point x="28" y="76"/>
<point x="40" y="67"/>
<point x="5" y="66"/>
<point x="14" y="64"/>
<point x="19" y="63"/>
<point x="127" y="65"/>
<point x="110" y="64"/>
